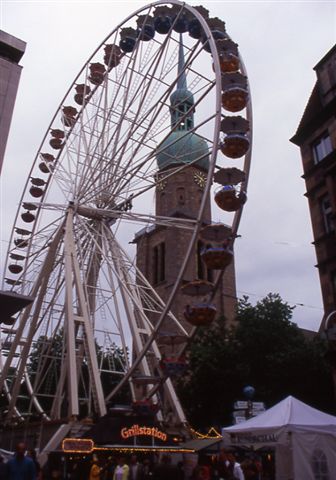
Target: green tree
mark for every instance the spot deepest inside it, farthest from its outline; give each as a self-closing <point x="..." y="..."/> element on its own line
<point x="45" y="362"/>
<point x="264" y="349"/>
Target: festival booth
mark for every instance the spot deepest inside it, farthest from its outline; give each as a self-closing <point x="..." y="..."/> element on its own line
<point x="304" y="439"/>
<point x="121" y="433"/>
<point x="129" y="434"/>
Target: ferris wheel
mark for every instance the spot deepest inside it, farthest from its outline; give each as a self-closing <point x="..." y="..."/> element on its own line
<point x="94" y="332"/>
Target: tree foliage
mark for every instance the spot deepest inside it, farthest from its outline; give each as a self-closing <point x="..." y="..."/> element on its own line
<point x="45" y="362"/>
<point x="264" y="349"/>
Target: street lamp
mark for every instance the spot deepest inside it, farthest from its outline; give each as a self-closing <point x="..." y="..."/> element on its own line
<point x="249" y="392"/>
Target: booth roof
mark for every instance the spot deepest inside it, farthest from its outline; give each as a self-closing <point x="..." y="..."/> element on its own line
<point x="290" y="413"/>
<point x="201" y="443"/>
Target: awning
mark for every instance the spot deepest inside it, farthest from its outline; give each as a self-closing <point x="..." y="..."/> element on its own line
<point x="201" y="443"/>
<point x="11" y="303"/>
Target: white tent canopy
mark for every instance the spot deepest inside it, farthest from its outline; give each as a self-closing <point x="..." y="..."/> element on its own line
<point x="304" y="439"/>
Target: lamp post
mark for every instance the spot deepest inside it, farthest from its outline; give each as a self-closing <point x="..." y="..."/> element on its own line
<point x="249" y="392"/>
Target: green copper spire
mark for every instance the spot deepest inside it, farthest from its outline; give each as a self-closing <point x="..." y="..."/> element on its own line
<point x="182" y="79"/>
<point x="182" y="147"/>
<point x="182" y="100"/>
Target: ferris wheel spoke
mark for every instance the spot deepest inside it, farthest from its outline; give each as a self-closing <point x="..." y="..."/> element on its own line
<point x="105" y="295"/>
<point x="39" y="246"/>
<point x="39" y="290"/>
<point x="146" y="295"/>
<point x="155" y="110"/>
<point x="136" y="124"/>
<point x="133" y="305"/>
<point x="152" y="154"/>
<point x="127" y="104"/>
<point x="137" y="218"/>
<point x="129" y="265"/>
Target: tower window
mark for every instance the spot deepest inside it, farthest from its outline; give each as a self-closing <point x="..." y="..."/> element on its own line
<point x="163" y="202"/>
<point x="203" y="273"/>
<point x="322" y="147"/>
<point x="180" y="196"/>
<point x="327" y="214"/>
<point x="159" y="263"/>
<point x="179" y="115"/>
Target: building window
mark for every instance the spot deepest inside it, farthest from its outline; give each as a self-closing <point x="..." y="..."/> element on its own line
<point x="159" y="263"/>
<point x="163" y="203"/>
<point x="320" y="465"/>
<point x="327" y="214"/>
<point x="203" y="273"/>
<point x="180" y="195"/>
<point x="322" y="147"/>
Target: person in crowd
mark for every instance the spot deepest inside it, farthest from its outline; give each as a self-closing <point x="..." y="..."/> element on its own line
<point x="95" y="470"/>
<point x="181" y="474"/>
<point x="135" y="469"/>
<point x="20" y="467"/>
<point x="228" y="467"/>
<point x="56" y="474"/>
<point x="250" y="469"/>
<point x="165" y="470"/>
<point x="201" y="472"/>
<point x="76" y="471"/>
<point x="121" y="471"/>
<point x="110" y="468"/>
<point x="2" y="468"/>
<point x="147" y="471"/>
<point x="32" y="454"/>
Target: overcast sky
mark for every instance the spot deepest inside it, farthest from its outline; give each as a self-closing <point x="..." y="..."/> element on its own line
<point x="280" y="43"/>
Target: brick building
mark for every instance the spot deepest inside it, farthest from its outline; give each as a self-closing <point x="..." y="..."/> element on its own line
<point x="316" y="137"/>
<point x="11" y="51"/>
<point x="161" y="250"/>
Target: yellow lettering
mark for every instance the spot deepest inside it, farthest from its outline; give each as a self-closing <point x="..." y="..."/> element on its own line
<point x="135" y="430"/>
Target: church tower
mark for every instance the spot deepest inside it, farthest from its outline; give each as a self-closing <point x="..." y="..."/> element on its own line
<point x="183" y="162"/>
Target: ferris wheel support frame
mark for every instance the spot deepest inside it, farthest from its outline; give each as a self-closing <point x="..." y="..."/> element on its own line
<point x="73" y="279"/>
<point x="124" y="279"/>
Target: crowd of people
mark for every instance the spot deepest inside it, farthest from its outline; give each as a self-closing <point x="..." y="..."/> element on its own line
<point x="224" y="466"/>
<point x="22" y="466"/>
<point x="133" y="469"/>
<point x="221" y="467"/>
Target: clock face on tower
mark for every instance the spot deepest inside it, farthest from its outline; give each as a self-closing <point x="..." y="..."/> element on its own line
<point x="161" y="182"/>
<point x="161" y="185"/>
<point x="200" y="179"/>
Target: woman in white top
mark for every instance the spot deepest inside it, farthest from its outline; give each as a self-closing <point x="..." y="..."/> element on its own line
<point x="121" y="471"/>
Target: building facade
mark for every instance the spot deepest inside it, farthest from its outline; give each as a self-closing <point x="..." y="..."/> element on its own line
<point x="316" y="137"/>
<point x="11" y="52"/>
